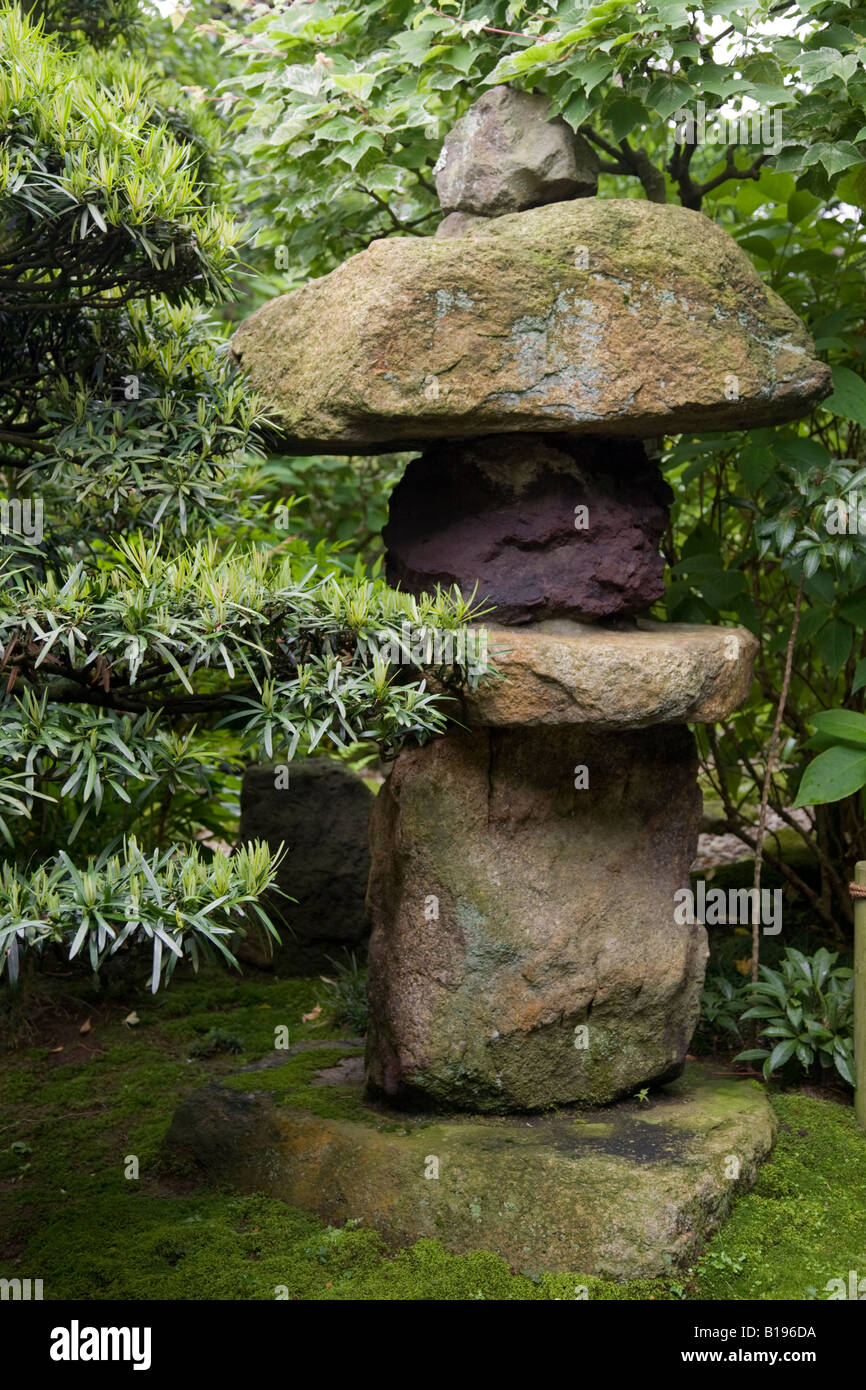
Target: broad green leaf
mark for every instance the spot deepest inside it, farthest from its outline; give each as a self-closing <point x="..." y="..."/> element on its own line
<point x="801" y="205"/>
<point x="763" y="69"/>
<point x="849" y="396"/>
<point x="840" y="156"/>
<point x="578" y="109"/>
<point x="853" y="609"/>
<point x="846" y="725"/>
<point x="821" y="64"/>
<point x="791" y="157"/>
<point x="834" y="643"/>
<point x="759" y="246"/>
<point x="670" y="94"/>
<point x="831" y="776"/>
<point x="781" y="1053"/>
<point x="625" y="115"/>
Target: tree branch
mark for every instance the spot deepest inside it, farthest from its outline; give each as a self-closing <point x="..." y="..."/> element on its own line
<point x="692" y="194"/>
<point x="635" y="162"/>
<point x="768" y="777"/>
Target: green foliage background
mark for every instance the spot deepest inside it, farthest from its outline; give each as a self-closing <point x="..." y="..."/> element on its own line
<point x="339" y="115"/>
<point x="158" y="627"/>
<point x="160" y="176"/>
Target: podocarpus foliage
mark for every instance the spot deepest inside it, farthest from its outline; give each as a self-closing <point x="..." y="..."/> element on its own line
<point x="154" y="626"/>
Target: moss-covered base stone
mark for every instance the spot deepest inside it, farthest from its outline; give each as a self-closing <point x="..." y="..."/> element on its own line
<point x="632" y="1190"/>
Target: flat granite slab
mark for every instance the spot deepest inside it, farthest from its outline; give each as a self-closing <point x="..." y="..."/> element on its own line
<point x="562" y="672"/>
<point x="632" y="1190"/>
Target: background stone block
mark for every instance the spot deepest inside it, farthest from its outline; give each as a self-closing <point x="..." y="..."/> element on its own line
<point x="323" y="819"/>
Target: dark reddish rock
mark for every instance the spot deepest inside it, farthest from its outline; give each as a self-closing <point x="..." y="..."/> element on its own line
<point x="500" y="513"/>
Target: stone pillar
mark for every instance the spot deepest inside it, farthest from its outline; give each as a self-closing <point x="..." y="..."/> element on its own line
<point x="525" y="951"/>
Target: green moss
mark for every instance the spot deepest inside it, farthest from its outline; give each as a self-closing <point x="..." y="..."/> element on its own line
<point x="718" y="1100"/>
<point x="256" y="1011"/>
<point x="805" y="1220"/>
<point x="257" y="1248"/>
<point x="289" y="1084"/>
<point x="68" y="1214"/>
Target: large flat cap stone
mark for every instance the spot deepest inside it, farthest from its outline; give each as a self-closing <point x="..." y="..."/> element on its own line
<point x="597" y="316"/>
<point x="561" y="672"/>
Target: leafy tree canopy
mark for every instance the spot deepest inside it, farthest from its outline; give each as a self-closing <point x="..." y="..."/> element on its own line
<point x="342" y="109"/>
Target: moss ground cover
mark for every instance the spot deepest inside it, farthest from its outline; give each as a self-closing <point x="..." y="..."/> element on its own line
<point x="71" y="1120"/>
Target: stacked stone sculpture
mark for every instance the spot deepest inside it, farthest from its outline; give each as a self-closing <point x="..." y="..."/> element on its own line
<point x="524" y="954"/>
<point x="524" y="951"/>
